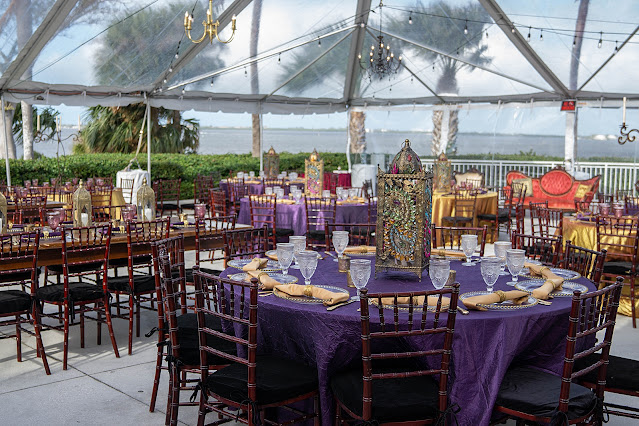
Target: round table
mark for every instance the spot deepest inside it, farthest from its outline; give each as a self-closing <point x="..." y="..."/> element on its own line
<point x="444" y="205"/>
<point x="293" y="216"/>
<point x="484" y="344"/>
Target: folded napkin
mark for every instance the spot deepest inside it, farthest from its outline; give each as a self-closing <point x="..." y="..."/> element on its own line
<point x="265" y="281"/>
<point x="329" y="297"/>
<point x="518" y="297"/>
<point x="360" y="249"/>
<point x="448" y="253"/>
<point x="256" y="263"/>
<point x="552" y="283"/>
<point x="285" y="201"/>
<point x="417" y="301"/>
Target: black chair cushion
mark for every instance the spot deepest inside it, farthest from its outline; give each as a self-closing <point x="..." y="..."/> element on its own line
<point x="189" y="340"/>
<point x="502" y="216"/>
<point x="316" y="234"/>
<point x="189" y="273"/>
<point x="617" y="268"/>
<point x="188" y="206"/>
<point x="620" y="374"/>
<point x="14" y="301"/>
<point x="141" y="283"/>
<point x="457" y="219"/>
<point x="78" y="292"/>
<point x="124" y="262"/>
<point x="283" y="232"/>
<point x="535" y="392"/>
<point x="167" y="206"/>
<point x="77" y="269"/>
<point x="16" y="277"/>
<point x="412" y="398"/>
<point x="277" y="380"/>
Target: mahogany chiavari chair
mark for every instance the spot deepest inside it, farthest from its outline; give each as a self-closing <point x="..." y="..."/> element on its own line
<point x="264" y="213"/>
<point x="85" y="252"/>
<point x="449" y="237"/>
<point x="219" y="203"/>
<point x="167" y="195"/>
<point x="251" y="384"/>
<point x="237" y="190"/>
<point x="359" y="234"/>
<point x="318" y="211"/>
<point x="618" y="236"/>
<point x="464" y="204"/>
<point x="127" y="189"/>
<point x="137" y="285"/>
<point x="177" y="332"/>
<point x="589" y="263"/>
<point x="544" y="249"/>
<point x="245" y="243"/>
<point x="19" y="257"/>
<point x="30" y="209"/>
<point x="533" y="395"/>
<point x="201" y="186"/>
<point x="382" y="390"/>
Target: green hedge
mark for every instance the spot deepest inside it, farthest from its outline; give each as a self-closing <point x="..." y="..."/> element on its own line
<point x="163" y="166"/>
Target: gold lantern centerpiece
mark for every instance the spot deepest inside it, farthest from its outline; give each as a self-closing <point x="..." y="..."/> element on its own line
<point x="82" y="211"/>
<point x="271" y="164"/>
<point x="3" y="213"/>
<point x="145" y="202"/>
<point x="314" y="175"/>
<point x="442" y="173"/>
<point x="404" y="214"/>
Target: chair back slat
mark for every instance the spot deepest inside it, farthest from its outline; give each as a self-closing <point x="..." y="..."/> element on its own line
<point x="19" y="256"/>
<point x="545" y="249"/>
<point x="359" y="234"/>
<point x="245" y="243"/>
<point x="589" y="263"/>
<point x="209" y="238"/>
<point x="449" y="237"/>
<point x="218" y="203"/>
<point x="318" y="211"/>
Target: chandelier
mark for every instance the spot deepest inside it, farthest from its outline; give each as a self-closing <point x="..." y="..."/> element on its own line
<point x="210" y="27"/>
<point x="382" y="61"/>
<point x="626" y="134"/>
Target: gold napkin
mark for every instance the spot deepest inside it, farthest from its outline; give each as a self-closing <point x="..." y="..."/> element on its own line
<point x="360" y="249"/>
<point x="552" y="283"/>
<point x="448" y="253"/>
<point x="417" y="301"/>
<point x="285" y="201"/>
<point x="266" y="282"/>
<point x="518" y="297"/>
<point x="256" y="263"/>
<point x="329" y="297"/>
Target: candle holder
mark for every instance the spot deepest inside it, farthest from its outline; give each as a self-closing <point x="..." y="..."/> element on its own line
<point x="3" y="213"/>
<point x="146" y="202"/>
<point x="82" y="212"/>
<point x="626" y="136"/>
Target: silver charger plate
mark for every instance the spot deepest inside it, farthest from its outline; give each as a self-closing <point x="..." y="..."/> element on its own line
<point x="566" y="274"/>
<point x="304" y="299"/>
<point x="279" y="277"/>
<point x="566" y="291"/>
<point x="504" y="306"/>
<point x="271" y="265"/>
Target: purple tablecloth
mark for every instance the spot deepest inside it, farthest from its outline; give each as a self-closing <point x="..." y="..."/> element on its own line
<point x="484" y="344"/>
<point x="293" y="216"/>
<point x="254" y="188"/>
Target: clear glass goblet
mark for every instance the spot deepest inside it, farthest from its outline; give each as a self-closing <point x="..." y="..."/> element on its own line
<point x="308" y="262"/>
<point x="360" y="274"/>
<point x="438" y="271"/>
<point x="53" y="220"/>
<point x="299" y="243"/>
<point x="500" y="252"/>
<point x="515" y="261"/>
<point x="285" y="255"/>
<point x="340" y="242"/>
<point x="468" y="246"/>
<point x="490" y="271"/>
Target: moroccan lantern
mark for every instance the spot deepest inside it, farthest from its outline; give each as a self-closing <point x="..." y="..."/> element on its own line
<point x="271" y="164"/>
<point x="404" y="213"/>
<point x="314" y="175"/>
<point x="442" y="173"/>
<point x="145" y="202"/>
<point x="82" y="211"/>
<point x="3" y="213"/>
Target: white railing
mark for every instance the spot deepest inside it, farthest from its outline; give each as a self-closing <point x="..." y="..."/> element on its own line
<point x="614" y="176"/>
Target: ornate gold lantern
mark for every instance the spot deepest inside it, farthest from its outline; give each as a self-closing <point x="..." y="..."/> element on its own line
<point x="404" y="213"/>
<point x="145" y="202"/>
<point x="314" y="175"/>
<point x="442" y="173"/>
<point x="271" y="164"/>
<point x="82" y="212"/>
<point x="3" y="213"/>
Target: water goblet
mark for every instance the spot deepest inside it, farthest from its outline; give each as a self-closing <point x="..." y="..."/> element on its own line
<point x="360" y="274"/>
<point x="352" y="193"/>
<point x="500" y="252"/>
<point x="340" y="241"/>
<point x="308" y="262"/>
<point x="468" y="246"/>
<point x="299" y="243"/>
<point x="200" y="211"/>
<point x="490" y="271"/>
<point x="515" y="261"/>
<point x="297" y="196"/>
<point x="251" y="174"/>
<point x="326" y="193"/>
<point x="438" y="271"/>
<point x="53" y="219"/>
<point x="285" y="255"/>
<point x="268" y="190"/>
<point x="292" y="176"/>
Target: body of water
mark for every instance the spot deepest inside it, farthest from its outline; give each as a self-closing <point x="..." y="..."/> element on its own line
<point x="238" y="141"/>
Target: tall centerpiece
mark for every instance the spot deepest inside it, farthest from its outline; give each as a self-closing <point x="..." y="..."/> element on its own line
<point x="3" y="213"/>
<point x="442" y="173"/>
<point x="146" y="202"/>
<point x="82" y="211"/>
<point x="314" y="175"/>
<point x="271" y="164"/>
<point x="404" y="212"/>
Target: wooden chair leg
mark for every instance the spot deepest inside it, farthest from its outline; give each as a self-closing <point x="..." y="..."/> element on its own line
<point x="82" y="326"/>
<point x="131" y="313"/>
<point x="18" y="339"/>
<point x="156" y="379"/>
<point x="66" y="335"/>
<point x="110" y="327"/>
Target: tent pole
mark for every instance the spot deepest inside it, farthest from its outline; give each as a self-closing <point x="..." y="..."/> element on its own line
<point x="6" y="142"/>
<point x="261" y="139"/>
<point x="348" y="138"/>
<point x="148" y="138"/>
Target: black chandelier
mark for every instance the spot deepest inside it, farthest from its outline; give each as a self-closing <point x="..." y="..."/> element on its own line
<point x="382" y="61"/>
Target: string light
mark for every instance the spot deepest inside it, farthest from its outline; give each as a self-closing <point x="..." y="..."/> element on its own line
<point x="466" y="27"/>
<point x="486" y="33"/>
<point x="541" y="35"/>
<point x="600" y="40"/>
<point x="279" y="58"/>
<point x="183" y="90"/>
<point x="528" y="37"/>
<point x="245" y="73"/>
<point x="574" y="41"/>
<point x="616" y="47"/>
<point x="512" y="30"/>
<point x="177" y="55"/>
<point x="211" y="82"/>
<point x="319" y="42"/>
<point x="410" y="18"/>
<point x="170" y="69"/>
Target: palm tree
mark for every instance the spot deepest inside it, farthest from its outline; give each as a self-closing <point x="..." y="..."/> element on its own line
<point x="255" y="82"/>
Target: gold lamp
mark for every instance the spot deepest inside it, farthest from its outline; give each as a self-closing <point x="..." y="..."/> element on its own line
<point x="82" y="214"/>
<point x="271" y="164"/>
<point x="146" y="202"/>
<point x="3" y="213"/>
<point x="210" y="27"/>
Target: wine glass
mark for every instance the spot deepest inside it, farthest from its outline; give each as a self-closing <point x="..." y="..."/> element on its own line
<point x="360" y="274"/>
<point x="297" y="196"/>
<point x="200" y="211"/>
<point x="308" y="262"/>
<point x="340" y="241"/>
<point x="53" y="219"/>
<point x="468" y="246"/>
<point x="438" y="271"/>
<point x="285" y="255"/>
<point x="299" y="244"/>
<point x="515" y="262"/>
<point x="490" y="271"/>
<point x="500" y="252"/>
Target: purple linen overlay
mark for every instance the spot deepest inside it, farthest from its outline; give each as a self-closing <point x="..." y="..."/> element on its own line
<point x="293" y="216"/>
<point x="484" y="343"/>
